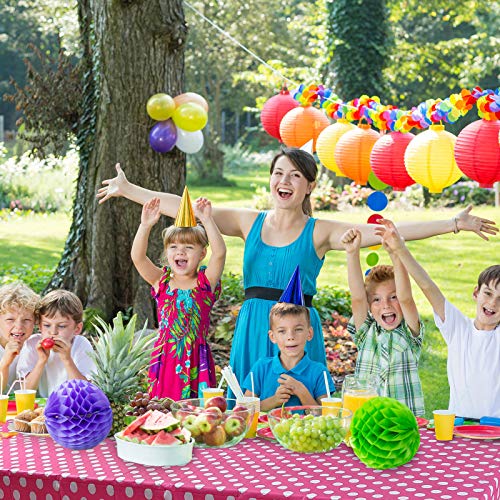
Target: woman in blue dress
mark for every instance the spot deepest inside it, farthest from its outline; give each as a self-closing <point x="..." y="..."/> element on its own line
<point x="278" y="240"/>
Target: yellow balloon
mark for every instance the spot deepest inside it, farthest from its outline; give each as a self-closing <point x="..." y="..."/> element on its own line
<point x="190" y="116"/>
<point x="160" y="107"/>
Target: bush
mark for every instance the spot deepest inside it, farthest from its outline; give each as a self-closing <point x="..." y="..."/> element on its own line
<point x="465" y="193"/>
<point x="329" y="299"/>
<point x="36" y="276"/>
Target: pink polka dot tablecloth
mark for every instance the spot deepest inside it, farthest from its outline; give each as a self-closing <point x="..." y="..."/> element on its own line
<point x="38" y="468"/>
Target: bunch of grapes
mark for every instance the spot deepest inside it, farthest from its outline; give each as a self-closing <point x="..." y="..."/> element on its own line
<point x="309" y="434"/>
<point x="142" y="403"/>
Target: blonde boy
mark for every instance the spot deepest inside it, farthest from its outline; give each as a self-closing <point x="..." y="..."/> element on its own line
<point x="17" y="320"/>
<point x="60" y="319"/>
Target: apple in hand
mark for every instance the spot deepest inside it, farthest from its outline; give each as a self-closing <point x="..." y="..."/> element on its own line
<point x="234" y="425"/>
<point x="217" y="402"/>
<point x="215" y="438"/>
<point x="47" y="343"/>
<point x="190" y="424"/>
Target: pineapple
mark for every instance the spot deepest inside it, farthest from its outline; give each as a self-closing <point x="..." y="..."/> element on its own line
<point x="122" y="359"/>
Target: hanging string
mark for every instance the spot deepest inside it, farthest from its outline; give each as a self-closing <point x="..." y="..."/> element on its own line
<point x="227" y="35"/>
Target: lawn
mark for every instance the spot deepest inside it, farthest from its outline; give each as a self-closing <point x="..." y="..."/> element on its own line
<point x="454" y="261"/>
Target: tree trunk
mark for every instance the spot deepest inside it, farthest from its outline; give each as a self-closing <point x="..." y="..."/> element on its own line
<point x="132" y="50"/>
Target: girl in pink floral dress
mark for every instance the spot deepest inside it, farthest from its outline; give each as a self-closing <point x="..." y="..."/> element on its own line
<point x="181" y="364"/>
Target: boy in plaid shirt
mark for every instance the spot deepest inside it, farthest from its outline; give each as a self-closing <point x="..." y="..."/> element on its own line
<point x="385" y="326"/>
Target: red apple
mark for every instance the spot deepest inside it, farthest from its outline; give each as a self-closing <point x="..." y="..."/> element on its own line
<point x="208" y="421"/>
<point x="215" y="438"/>
<point x="215" y="413"/>
<point x="241" y="411"/>
<point x="217" y="402"/>
<point x="234" y="425"/>
<point x="48" y="343"/>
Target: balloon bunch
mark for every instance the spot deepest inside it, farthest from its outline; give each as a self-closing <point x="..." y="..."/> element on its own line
<point x="180" y="120"/>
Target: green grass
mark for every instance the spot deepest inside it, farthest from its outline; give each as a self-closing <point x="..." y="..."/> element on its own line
<point x="453" y="261"/>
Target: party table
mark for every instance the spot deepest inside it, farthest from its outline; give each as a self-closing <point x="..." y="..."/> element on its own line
<point x="38" y="468"/>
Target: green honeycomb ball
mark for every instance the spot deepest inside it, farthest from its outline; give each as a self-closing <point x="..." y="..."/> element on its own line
<point x="384" y="433"/>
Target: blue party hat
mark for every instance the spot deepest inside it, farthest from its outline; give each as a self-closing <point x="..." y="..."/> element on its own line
<point x="293" y="292"/>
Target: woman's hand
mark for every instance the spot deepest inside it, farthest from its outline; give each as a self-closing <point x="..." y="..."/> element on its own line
<point x="151" y="213"/>
<point x="466" y="222"/>
<point x="113" y="187"/>
<point x="351" y="240"/>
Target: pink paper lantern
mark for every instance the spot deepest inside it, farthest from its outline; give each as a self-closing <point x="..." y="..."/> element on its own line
<point x="274" y="110"/>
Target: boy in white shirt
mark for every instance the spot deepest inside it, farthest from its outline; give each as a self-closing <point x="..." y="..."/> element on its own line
<point x="59" y="353"/>
<point x="473" y="345"/>
<point x="17" y="320"/>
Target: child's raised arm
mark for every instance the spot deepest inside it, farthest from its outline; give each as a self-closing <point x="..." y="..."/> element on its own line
<point x="397" y="245"/>
<point x="203" y="210"/>
<point x="146" y="268"/>
<point x="389" y="234"/>
<point x="351" y="242"/>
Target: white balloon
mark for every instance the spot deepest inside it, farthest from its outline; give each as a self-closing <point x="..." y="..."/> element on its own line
<point x="189" y="142"/>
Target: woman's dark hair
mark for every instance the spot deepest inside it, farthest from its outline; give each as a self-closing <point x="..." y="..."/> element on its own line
<point x="305" y="164"/>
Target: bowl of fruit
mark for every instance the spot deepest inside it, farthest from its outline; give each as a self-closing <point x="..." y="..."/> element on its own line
<point x="213" y="423"/>
<point x="307" y="429"/>
<point x="142" y="403"/>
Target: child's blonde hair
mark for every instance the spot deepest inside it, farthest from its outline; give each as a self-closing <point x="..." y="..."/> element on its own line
<point x="377" y="275"/>
<point x="281" y="309"/>
<point x="17" y="295"/>
<point x="63" y="302"/>
<point x="184" y="235"/>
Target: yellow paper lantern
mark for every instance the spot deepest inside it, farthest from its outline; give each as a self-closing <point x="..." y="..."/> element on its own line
<point x="327" y="141"/>
<point x="352" y="153"/>
<point x="302" y="124"/>
<point x="429" y="159"/>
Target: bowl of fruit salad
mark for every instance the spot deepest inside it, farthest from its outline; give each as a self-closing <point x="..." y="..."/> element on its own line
<point x="307" y="429"/>
<point x="217" y="422"/>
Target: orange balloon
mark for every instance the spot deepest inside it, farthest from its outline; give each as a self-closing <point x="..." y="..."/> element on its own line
<point x="191" y="97"/>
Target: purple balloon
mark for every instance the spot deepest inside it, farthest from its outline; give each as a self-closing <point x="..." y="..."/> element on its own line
<point x="162" y="136"/>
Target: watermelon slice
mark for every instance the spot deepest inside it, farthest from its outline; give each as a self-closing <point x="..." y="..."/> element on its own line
<point x="136" y="424"/>
<point x="158" y="421"/>
<point x="182" y="435"/>
<point x="164" y="439"/>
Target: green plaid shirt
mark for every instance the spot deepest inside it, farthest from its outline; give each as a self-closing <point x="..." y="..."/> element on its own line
<point x="391" y="355"/>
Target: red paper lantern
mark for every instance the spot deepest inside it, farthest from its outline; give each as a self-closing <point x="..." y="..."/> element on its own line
<point x="352" y="153"/>
<point x="387" y="160"/>
<point x="302" y="124"/>
<point x="274" y="110"/>
<point x="477" y="152"/>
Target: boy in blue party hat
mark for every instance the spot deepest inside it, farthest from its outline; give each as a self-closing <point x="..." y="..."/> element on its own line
<point x="291" y="377"/>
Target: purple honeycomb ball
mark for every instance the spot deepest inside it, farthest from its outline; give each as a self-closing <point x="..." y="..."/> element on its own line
<point x="78" y="415"/>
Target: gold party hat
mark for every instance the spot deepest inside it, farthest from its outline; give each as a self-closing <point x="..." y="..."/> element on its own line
<point x="185" y="215"/>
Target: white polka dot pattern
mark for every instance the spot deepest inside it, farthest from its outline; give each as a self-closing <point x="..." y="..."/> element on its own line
<point x="39" y="468"/>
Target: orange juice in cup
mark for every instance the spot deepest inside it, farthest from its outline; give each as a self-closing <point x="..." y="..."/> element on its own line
<point x="25" y="400"/>
<point x="4" y="403"/>
<point x="251" y="402"/>
<point x="329" y="403"/>
<point x="212" y="392"/>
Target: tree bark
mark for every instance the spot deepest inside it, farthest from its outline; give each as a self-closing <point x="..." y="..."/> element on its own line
<point x="132" y="50"/>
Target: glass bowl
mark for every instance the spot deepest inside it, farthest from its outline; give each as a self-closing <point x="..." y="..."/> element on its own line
<point x="309" y="429"/>
<point x="217" y="422"/>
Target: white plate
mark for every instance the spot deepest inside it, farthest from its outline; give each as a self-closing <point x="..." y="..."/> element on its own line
<point x="10" y="426"/>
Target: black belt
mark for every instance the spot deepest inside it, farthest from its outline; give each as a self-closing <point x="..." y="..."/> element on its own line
<point x="262" y="292"/>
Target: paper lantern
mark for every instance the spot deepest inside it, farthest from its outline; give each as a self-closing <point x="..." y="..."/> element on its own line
<point x="384" y="433"/>
<point x="274" y="110"/>
<point x="352" y="153"/>
<point x="327" y="142"/>
<point x="477" y="152"/>
<point x="387" y="160"/>
<point x="78" y="415"/>
<point x="302" y="124"/>
<point x="430" y="161"/>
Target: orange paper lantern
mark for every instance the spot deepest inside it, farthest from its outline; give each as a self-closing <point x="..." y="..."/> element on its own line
<point x="477" y="152"/>
<point x="387" y="160"/>
<point x="274" y="110"/>
<point x="429" y="159"/>
<point x="352" y="153"/>
<point x="327" y="141"/>
<point x="302" y="124"/>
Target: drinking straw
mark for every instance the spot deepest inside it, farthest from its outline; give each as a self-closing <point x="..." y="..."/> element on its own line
<point x="220" y="382"/>
<point x="1" y="384"/>
<point x="251" y="381"/>
<point x="326" y="384"/>
<point x="232" y="381"/>
<point x="13" y="384"/>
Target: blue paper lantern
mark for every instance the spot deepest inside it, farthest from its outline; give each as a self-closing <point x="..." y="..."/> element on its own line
<point x="78" y="415"/>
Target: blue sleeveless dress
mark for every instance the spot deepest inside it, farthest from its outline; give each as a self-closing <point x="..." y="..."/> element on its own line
<point x="272" y="267"/>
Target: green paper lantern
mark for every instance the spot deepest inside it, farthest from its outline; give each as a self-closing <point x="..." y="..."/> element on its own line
<point x="384" y="433"/>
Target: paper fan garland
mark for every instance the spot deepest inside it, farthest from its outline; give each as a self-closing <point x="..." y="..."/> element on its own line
<point x="384" y="433"/>
<point x="78" y="415"/>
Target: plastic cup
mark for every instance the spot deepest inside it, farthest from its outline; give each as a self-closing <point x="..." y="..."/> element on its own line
<point x="251" y="402"/>
<point x="327" y="403"/>
<point x="212" y="392"/>
<point x="444" y="420"/>
<point x="4" y="403"/>
<point x="25" y="399"/>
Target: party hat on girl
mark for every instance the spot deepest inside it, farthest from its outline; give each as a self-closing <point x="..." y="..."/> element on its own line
<point x="293" y="292"/>
<point x="185" y="215"/>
